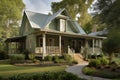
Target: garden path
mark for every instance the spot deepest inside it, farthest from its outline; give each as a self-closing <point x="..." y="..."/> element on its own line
<point x="77" y="70"/>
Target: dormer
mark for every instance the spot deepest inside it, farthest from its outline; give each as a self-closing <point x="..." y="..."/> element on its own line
<point x="62" y="22"/>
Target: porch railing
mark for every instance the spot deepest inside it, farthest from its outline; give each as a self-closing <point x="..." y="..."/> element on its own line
<point x="97" y="51"/>
<point x="49" y="50"/>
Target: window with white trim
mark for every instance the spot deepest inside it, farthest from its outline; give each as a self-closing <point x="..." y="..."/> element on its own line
<point x="62" y="25"/>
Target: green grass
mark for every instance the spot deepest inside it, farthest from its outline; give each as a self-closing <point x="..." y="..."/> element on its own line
<point x="9" y="70"/>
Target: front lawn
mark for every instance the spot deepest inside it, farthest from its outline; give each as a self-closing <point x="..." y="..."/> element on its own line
<point x="12" y="72"/>
<point x="9" y="70"/>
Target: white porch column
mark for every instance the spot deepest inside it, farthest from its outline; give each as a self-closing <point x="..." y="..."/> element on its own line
<point x="86" y="49"/>
<point x="93" y="43"/>
<point x="100" y="43"/>
<point x="97" y="43"/>
<point x="60" y="43"/>
<point x="44" y="45"/>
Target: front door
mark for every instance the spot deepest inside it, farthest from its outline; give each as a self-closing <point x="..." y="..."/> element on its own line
<point x="51" y="42"/>
<point x="76" y="46"/>
<point x="73" y="45"/>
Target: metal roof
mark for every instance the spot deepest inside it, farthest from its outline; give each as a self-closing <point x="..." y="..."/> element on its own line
<point x="37" y="20"/>
<point x="99" y="33"/>
<point x="40" y="21"/>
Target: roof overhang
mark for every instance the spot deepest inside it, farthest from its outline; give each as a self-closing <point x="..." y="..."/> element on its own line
<point x="15" y="39"/>
<point x="71" y="34"/>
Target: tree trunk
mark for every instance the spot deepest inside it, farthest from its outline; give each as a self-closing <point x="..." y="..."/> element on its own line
<point x="110" y="57"/>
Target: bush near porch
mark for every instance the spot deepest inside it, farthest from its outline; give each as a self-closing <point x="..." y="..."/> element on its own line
<point x="31" y="58"/>
<point x="65" y="58"/>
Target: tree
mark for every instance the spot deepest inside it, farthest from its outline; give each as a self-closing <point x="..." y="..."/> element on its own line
<point x="10" y="14"/>
<point x="109" y="13"/>
<point x="109" y="17"/>
<point x="75" y="7"/>
<point x="112" y="44"/>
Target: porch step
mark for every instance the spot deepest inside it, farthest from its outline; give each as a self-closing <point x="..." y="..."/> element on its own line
<point x="79" y="58"/>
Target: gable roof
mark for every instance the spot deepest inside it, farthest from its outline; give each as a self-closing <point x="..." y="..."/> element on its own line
<point x="37" y="20"/>
<point x="40" y="21"/>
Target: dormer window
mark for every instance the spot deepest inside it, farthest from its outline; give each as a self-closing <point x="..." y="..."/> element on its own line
<point x="62" y="25"/>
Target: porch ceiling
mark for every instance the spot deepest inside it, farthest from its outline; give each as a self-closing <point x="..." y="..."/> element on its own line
<point x="15" y="39"/>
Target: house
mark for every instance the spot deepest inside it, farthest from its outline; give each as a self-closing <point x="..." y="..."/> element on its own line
<point x="51" y="34"/>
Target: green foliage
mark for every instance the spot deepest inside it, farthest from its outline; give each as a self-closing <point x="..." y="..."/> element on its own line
<point x="100" y="73"/>
<point x="98" y="62"/>
<point x="10" y="14"/>
<point x="16" y="58"/>
<point x="94" y="63"/>
<point x="109" y="16"/>
<point x="56" y="59"/>
<point x="45" y="76"/>
<point x="74" y="62"/>
<point x="67" y="57"/>
<point x="48" y="58"/>
<point x="60" y="59"/>
<point x="3" y="55"/>
<point x="26" y="53"/>
<point x="32" y="56"/>
<point x="112" y="45"/>
<point x="104" y="61"/>
<point x="88" y="71"/>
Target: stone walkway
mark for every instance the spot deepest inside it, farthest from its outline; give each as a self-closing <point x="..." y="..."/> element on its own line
<point x="77" y="70"/>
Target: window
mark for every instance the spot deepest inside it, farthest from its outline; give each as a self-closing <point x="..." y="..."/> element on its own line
<point x="62" y="25"/>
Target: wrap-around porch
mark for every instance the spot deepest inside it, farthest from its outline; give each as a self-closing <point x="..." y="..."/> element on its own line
<point x="48" y="44"/>
<point x="55" y="44"/>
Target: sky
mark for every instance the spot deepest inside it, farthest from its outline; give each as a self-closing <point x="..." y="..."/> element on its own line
<point x="42" y="6"/>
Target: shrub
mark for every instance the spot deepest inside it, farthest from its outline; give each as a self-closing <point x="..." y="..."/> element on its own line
<point x="3" y="55"/>
<point x="100" y="73"/>
<point x="56" y="59"/>
<point x="104" y="61"/>
<point x="88" y="71"/>
<point x="36" y="61"/>
<point x="48" y="58"/>
<point x="67" y="57"/>
<point x="26" y="53"/>
<point x="31" y="56"/>
<point x="74" y="62"/>
<point x="16" y="58"/>
<point x="94" y="63"/>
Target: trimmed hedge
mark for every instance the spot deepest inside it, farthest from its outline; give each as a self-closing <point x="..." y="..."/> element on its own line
<point x="16" y="58"/>
<point x="48" y="58"/>
<point x="44" y="76"/>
